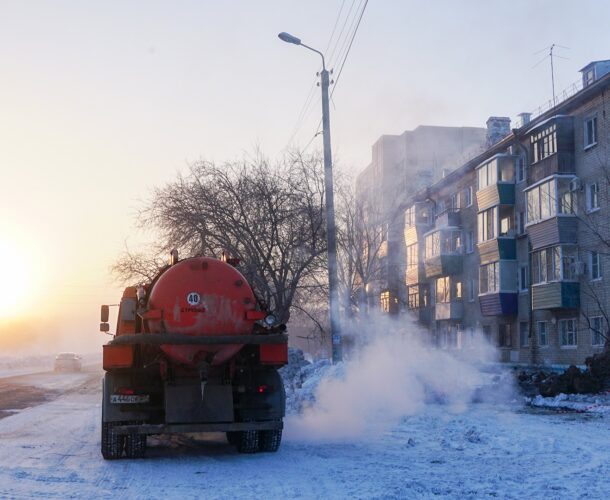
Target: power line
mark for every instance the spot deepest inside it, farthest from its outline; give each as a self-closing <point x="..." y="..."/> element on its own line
<point x="306" y="109"/>
<point x="349" y="48"/>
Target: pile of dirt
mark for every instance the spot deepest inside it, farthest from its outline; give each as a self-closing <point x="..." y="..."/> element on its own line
<point x="594" y="379"/>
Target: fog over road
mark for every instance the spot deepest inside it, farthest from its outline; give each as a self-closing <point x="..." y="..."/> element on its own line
<point x="51" y="450"/>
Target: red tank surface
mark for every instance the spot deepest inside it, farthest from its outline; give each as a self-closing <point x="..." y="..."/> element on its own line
<point x="201" y="296"/>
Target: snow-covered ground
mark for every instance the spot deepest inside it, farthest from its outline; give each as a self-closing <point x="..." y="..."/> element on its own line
<point x="503" y="450"/>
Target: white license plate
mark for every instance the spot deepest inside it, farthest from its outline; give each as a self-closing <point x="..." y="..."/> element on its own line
<point x="129" y="398"/>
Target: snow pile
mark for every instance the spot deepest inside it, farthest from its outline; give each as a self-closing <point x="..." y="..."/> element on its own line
<point x="394" y="375"/>
<point x="582" y="403"/>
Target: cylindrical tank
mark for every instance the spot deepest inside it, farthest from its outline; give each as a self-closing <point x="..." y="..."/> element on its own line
<point x="201" y="296"/>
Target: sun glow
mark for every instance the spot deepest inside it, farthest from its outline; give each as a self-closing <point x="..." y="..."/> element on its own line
<point x="14" y="281"/>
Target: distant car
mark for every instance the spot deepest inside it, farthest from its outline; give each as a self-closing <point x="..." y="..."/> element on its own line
<point x="68" y="362"/>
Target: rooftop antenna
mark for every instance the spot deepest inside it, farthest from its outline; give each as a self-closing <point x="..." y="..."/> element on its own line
<point x="550" y="56"/>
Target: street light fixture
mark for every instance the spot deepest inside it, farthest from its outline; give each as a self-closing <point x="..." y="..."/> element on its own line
<point x="331" y="232"/>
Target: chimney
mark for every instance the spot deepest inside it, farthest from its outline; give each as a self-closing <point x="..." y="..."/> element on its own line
<point x="524" y="119"/>
<point x="498" y="127"/>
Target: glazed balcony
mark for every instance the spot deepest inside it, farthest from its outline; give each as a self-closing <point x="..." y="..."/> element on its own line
<point x="444" y="265"/>
<point x="499" y="304"/>
<point x="453" y="310"/>
<point x="496" y="180"/>
<point x="557" y="230"/>
<point x="501" y="248"/>
<point x="448" y="218"/>
<point x="443" y="252"/>
<point x="417" y="222"/>
<point x="556" y="295"/>
<point x="561" y="161"/>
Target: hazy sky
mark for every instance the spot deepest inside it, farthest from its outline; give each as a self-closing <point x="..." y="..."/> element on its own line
<point x="102" y="101"/>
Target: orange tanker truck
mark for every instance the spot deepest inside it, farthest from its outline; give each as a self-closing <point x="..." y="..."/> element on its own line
<point x="193" y="352"/>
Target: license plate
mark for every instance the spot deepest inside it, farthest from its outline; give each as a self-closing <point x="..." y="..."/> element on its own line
<point x="129" y="398"/>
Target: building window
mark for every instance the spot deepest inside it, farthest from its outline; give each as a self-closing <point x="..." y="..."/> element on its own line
<point x="544" y="143"/>
<point x="597" y="332"/>
<point x="470" y="242"/>
<point x="443" y="290"/>
<point x="520" y="168"/>
<point x="487" y="174"/>
<point x="457" y="290"/>
<point x="505" y="338"/>
<point x="590" y="132"/>
<point x="489" y="278"/>
<point x="552" y="197"/>
<point x="410" y="217"/>
<point x="524" y="336"/>
<point x="523" y="278"/>
<point x="543" y="338"/>
<point x="521" y="223"/>
<point x="594" y="266"/>
<point x="413" y="297"/>
<point x="468" y="196"/>
<point x="433" y="244"/>
<point x="412" y="256"/>
<point x="453" y="203"/>
<point x="589" y="77"/>
<point x="554" y="264"/>
<point x="384" y="300"/>
<point x="488" y="226"/>
<point x="592" y="197"/>
<point x="567" y="332"/>
<point x="471" y="291"/>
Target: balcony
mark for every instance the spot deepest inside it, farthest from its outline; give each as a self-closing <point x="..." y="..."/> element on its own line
<point x="501" y="248"/>
<point x="449" y="310"/>
<point x="556" y="295"/>
<point x="422" y="314"/>
<point x="499" y="304"/>
<point x="560" y="162"/>
<point x="414" y="275"/>
<point x="417" y="222"/>
<point x="553" y="231"/>
<point x="500" y="193"/>
<point x="448" y="218"/>
<point x="444" y="265"/>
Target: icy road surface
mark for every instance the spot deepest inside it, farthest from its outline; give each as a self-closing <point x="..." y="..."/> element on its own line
<point x="52" y="451"/>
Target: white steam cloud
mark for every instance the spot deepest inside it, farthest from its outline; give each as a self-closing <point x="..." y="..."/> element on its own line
<point x="395" y="374"/>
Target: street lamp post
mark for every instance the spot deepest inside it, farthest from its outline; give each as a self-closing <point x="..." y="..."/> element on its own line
<point x="331" y="232"/>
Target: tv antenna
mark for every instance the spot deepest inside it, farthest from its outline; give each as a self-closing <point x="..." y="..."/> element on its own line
<point x="550" y="56"/>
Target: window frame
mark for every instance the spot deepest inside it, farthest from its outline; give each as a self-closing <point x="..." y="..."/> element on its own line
<point x="590" y="140"/>
<point x="524" y="334"/>
<point x="589" y="197"/>
<point x="564" y="340"/>
<point x="523" y="278"/>
<point x="599" y="275"/>
<point x="597" y="333"/>
<point x="539" y="333"/>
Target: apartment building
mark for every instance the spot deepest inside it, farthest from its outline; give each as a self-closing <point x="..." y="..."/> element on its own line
<point x="515" y="243"/>
<point x="399" y="167"/>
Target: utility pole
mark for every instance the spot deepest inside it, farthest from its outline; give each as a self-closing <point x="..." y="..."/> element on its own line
<point x="331" y="231"/>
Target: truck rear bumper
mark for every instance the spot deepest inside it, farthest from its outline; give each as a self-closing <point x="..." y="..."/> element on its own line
<point x="210" y="427"/>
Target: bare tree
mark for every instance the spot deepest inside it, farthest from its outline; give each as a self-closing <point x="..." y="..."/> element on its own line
<point x="270" y="217"/>
<point x="362" y="241"/>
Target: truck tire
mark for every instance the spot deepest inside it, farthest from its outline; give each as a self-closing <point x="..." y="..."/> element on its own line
<point x="247" y="441"/>
<point x="269" y="441"/>
<point x="112" y="443"/>
<point x="232" y="437"/>
<point x="135" y="445"/>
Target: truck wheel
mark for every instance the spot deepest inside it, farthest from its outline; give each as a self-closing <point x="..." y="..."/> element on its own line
<point x="247" y="441"/>
<point x="135" y="445"/>
<point x="112" y="443"/>
<point x="232" y="437"/>
<point x="270" y="440"/>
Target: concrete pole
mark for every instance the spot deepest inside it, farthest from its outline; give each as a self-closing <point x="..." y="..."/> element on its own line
<point x="331" y="232"/>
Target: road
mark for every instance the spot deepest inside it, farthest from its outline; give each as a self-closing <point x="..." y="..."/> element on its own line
<point x="51" y="450"/>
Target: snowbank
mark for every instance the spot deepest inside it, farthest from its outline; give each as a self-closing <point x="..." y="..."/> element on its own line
<point x="582" y="403"/>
